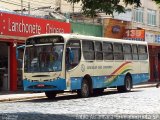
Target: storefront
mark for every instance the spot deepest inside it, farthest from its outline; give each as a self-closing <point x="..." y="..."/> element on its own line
<point x="4" y="66"/>
<point x="153" y="39"/>
<point x="13" y="32"/>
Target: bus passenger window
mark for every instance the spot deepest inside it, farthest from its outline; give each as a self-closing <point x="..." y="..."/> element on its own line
<point x="88" y="50"/>
<point x="107" y="51"/>
<point x="127" y="52"/>
<point x="142" y="52"/>
<point x="118" y="51"/>
<point x="134" y="52"/>
<point x="98" y="51"/>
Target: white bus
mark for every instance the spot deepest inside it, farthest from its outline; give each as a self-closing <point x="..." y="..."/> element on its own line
<point x="54" y="63"/>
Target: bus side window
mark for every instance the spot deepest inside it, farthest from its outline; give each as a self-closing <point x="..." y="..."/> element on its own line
<point x="73" y="54"/>
<point x="107" y="51"/>
<point x="134" y="52"/>
<point x="98" y="51"/>
<point x="118" y="51"/>
<point x="127" y="51"/>
<point x="88" y="50"/>
<point x="142" y="52"/>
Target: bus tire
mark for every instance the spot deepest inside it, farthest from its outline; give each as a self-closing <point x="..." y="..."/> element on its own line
<point x="85" y="89"/>
<point x="127" y="85"/>
<point x="50" y="94"/>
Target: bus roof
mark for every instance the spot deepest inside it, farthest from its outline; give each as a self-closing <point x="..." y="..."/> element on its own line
<point x="86" y="37"/>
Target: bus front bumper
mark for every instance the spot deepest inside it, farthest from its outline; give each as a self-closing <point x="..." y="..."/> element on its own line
<point x="38" y="86"/>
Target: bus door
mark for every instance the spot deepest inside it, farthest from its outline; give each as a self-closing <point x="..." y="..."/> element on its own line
<point x="72" y="60"/>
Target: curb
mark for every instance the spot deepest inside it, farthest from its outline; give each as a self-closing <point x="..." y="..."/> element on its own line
<point x="145" y="86"/>
<point x="14" y="98"/>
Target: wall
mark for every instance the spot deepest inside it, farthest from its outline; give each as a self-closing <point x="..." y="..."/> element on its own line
<point x="86" y="29"/>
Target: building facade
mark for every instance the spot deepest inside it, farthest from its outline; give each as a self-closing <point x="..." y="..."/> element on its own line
<point x="147" y="17"/>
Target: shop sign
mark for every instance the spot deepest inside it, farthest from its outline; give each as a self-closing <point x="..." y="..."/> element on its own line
<point x="24" y="26"/>
<point x="134" y="34"/>
<point x="157" y="38"/>
<point x="150" y="37"/>
<point x="116" y="29"/>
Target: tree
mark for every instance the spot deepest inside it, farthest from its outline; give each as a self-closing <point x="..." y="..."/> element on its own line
<point x="91" y="7"/>
<point x="157" y="1"/>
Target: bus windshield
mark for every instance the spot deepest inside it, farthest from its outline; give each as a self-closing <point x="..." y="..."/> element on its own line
<point x="43" y="58"/>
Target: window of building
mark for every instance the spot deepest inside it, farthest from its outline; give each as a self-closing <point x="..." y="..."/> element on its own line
<point x="134" y="52"/>
<point x="127" y="50"/>
<point x="118" y="51"/>
<point x="142" y="51"/>
<point x="151" y="17"/>
<point x="98" y="51"/>
<point x="107" y="51"/>
<point x="88" y="50"/>
<point x="138" y="15"/>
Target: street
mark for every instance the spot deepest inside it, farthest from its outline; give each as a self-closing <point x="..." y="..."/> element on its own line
<point x="139" y="101"/>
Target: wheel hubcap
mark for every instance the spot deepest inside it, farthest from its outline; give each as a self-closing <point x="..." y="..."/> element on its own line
<point x="128" y="84"/>
<point x="85" y="90"/>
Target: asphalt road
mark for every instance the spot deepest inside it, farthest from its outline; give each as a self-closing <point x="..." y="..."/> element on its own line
<point x="141" y="103"/>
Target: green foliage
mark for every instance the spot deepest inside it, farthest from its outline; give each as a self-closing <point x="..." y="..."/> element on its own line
<point x="157" y="1"/>
<point x="131" y="2"/>
<point x="91" y="7"/>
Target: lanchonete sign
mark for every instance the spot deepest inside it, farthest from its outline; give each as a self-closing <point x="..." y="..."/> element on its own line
<point x="24" y="26"/>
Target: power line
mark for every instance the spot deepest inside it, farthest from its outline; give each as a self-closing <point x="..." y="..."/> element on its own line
<point x="17" y="4"/>
<point x="26" y="6"/>
<point x="6" y="8"/>
<point x="34" y="1"/>
<point x="14" y="3"/>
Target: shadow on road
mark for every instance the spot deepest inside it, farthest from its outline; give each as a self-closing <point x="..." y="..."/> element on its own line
<point x="71" y="96"/>
<point x="41" y="116"/>
<point x="37" y="116"/>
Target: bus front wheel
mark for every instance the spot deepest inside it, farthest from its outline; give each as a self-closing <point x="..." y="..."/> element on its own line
<point x="84" y="92"/>
<point x="127" y="85"/>
<point x="50" y="94"/>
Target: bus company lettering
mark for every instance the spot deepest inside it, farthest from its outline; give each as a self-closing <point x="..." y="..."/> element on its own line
<point x="52" y="29"/>
<point x="23" y="27"/>
<point x="99" y="67"/>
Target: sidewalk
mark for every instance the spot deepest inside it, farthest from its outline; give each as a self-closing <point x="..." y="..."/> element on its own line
<point x="145" y="85"/>
<point x="21" y="95"/>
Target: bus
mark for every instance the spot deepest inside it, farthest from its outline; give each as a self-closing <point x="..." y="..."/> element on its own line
<point x="55" y="63"/>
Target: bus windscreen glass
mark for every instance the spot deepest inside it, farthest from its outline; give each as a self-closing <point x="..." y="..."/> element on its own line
<point x="43" y="58"/>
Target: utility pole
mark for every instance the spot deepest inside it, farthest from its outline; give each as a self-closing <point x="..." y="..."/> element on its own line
<point x="60" y="5"/>
<point x="29" y="8"/>
<point x="73" y="8"/>
<point x="21" y="6"/>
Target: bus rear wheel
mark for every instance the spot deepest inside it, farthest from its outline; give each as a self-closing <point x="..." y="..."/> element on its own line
<point x="50" y="94"/>
<point x="85" y="90"/>
<point x="127" y="85"/>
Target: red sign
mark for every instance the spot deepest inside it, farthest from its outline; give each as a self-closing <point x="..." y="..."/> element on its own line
<point x="135" y="34"/>
<point x="24" y="26"/>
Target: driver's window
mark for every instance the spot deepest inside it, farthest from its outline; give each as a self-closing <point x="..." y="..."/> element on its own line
<point x="73" y="54"/>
